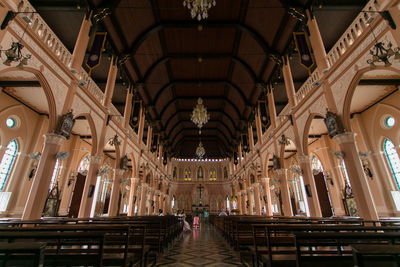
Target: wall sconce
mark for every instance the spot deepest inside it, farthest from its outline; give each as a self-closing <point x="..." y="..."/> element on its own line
<point x="62" y="155"/>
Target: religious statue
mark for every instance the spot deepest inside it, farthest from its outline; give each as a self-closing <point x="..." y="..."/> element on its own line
<point x="332" y="124"/>
<point x="65" y="125"/>
<point x="200" y="173"/>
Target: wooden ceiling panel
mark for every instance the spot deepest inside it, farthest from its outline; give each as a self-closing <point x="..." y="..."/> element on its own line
<point x="157" y="80"/>
<point x="133" y="19"/>
<point x="162" y="101"/>
<point x="242" y="79"/>
<point x="149" y="52"/>
<point x="251" y="52"/>
<point x="265" y="13"/>
<point x="209" y="68"/>
<point x="191" y="40"/>
<point x="199" y="89"/>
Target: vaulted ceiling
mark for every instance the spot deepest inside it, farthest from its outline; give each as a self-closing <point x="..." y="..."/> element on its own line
<point x="177" y="59"/>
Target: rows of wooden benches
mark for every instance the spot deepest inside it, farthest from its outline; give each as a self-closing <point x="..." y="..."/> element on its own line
<point x="283" y="241"/>
<point x="119" y="241"/>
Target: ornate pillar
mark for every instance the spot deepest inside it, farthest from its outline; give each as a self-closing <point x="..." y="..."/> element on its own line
<point x="150" y="194"/>
<point x="81" y="44"/>
<point x="239" y="203"/>
<point x="128" y="108"/>
<point x="288" y="78"/>
<point x="309" y="183"/>
<point x="257" y="198"/>
<point x="110" y="85"/>
<point x="244" y="201"/>
<point x="132" y="196"/>
<point x="113" y="207"/>
<point x="271" y="107"/>
<point x="286" y="203"/>
<point x="258" y="125"/>
<point x="41" y="182"/>
<point x="267" y="192"/>
<point x="90" y="183"/>
<point x="317" y="43"/>
<point x="156" y="201"/>
<point x="359" y="184"/>
<point x="143" y="196"/>
<point x="250" y="199"/>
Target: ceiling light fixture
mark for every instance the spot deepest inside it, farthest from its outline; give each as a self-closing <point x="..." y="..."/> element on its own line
<point x="200" y="151"/>
<point x="200" y="115"/>
<point x="380" y="53"/>
<point x="199" y="8"/>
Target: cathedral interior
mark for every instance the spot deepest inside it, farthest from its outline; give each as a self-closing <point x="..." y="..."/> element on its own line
<point x="271" y="122"/>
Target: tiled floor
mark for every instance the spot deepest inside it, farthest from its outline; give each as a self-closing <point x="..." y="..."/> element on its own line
<point x="204" y="247"/>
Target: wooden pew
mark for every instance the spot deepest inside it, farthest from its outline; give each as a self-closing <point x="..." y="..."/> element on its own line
<point x="22" y="254"/>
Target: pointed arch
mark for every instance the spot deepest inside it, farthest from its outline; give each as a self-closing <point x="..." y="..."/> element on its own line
<point x="7" y="163"/>
<point x="93" y="131"/>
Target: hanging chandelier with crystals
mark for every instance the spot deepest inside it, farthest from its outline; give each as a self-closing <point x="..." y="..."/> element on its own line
<point x="200" y="115"/>
<point x="199" y="8"/>
<point x="200" y="151"/>
<point x="14" y="54"/>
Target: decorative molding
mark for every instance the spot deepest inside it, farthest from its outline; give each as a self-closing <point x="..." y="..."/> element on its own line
<point x="54" y="139"/>
<point x="345" y="138"/>
<point x="96" y="160"/>
<point x="303" y="159"/>
<point x="281" y="172"/>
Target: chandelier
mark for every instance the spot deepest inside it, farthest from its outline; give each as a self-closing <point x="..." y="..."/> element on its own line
<point x="200" y="115"/>
<point x="200" y="151"/>
<point x="380" y="53"/>
<point x="199" y="8"/>
<point x="14" y="54"/>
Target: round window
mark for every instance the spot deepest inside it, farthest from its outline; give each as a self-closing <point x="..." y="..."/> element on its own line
<point x="390" y="121"/>
<point x="10" y="122"/>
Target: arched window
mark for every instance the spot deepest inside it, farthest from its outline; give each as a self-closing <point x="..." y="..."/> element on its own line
<point x="228" y="207"/>
<point x="84" y="165"/>
<point x="188" y="174"/>
<point x="213" y="175"/>
<point x="56" y="173"/>
<point x="393" y="161"/>
<point x="7" y="163"/>
<point x="173" y="202"/>
<point x="200" y="173"/>
<point x="316" y="165"/>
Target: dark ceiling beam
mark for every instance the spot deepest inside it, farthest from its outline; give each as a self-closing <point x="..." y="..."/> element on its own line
<point x="379" y="82"/>
<point x="166" y="58"/>
<point x="6" y="84"/>
<point x="179" y="111"/>
<point x="62" y="6"/>
<point x="181" y="121"/>
<point x="229" y="83"/>
<point x="194" y="24"/>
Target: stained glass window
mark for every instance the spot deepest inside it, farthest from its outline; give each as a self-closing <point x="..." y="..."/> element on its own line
<point x="316" y="164"/>
<point x="188" y="174"/>
<point x="393" y="161"/>
<point x="213" y="175"/>
<point x="390" y="121"/>
<point x="7" y="163"/>
<point x="84" y="165"/>
<point x="10" y="122"/>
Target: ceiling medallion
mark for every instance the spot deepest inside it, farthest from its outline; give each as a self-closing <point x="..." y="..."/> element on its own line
<point x="200" y="151"/>
<point x="200" y="115"/>
<point x="199" y="8"/>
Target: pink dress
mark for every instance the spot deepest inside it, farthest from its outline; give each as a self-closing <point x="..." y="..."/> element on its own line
<point x="196" y="222"/>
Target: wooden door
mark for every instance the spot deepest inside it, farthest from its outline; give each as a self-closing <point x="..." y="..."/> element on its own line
<point x="77" y="196"/>
<point x="323" y="195"/>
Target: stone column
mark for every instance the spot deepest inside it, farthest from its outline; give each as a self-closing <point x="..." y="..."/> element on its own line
<point x="128" y="108"/>
<point x="113" y="207"/>
<point x="244" y="202"/>
<point x="132" y="196"/>
<point x="156" y="201"/>
<point x="81" y="44"/>
<point x="257" y="198"/>
<point x="308" y="177"/>
<point x="286" y="203"/>
<point x="143" y="196"/>
<point x="110" y="85"/>
<point x="239" y="203"/>
<point x="150" y="195"/>
<point x="359" y="184"/>
<point x="265" y="182"/>
<point x="271" y="107"/>
<point x="41" y="182"/>
<point x="289" y="85"/>
<point x="249" y="198"/>
<point x="317" y="43"/>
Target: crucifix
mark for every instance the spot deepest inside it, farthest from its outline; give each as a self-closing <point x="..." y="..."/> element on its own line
<point x="200" y="189"/>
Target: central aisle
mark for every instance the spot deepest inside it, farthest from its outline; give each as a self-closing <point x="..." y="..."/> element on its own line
<point x="204" y="247"/>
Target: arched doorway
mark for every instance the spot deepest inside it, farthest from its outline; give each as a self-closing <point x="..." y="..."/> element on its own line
<point x="322" y="187"/>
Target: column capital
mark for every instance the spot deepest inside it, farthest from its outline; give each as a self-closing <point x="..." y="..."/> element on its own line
<point x="265" y="180"/>
<point x="55" y="139"/>
<point x="96" y="159"/>
<point x="118" y="172"/>
<point x="303" y="159"/>
<point x="256" y="185"/>
<point x="345" y="138"/>
<point x="281" y="171"/>
<point x="135" y="180"/>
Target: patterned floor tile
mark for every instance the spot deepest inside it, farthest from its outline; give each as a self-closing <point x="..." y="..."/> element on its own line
<point x="201" y="247"/>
